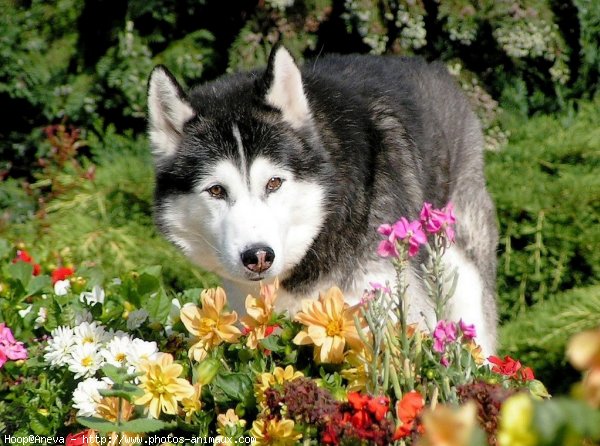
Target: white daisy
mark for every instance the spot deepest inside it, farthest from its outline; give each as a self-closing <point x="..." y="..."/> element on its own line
<point x="90" y="333"/>
<point x="136" y="319"/>
<point x="60" y="346"/>
<point x="139" y="352"/>
<point x="85" y="360"/>
<point x="61" y="287"/>
<point x="94" y="297"/>
<point x="117" y="350"/>
<point x="87" y="396"/>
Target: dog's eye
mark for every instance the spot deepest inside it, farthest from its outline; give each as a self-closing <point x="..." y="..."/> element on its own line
<point x="217" y="191"/>
<point x="273" y="184"/>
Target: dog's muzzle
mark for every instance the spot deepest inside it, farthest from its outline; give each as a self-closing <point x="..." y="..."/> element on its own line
<point x="258" y="258"/>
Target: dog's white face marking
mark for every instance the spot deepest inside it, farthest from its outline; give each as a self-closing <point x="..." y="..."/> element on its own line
<point x="214" y="231"/>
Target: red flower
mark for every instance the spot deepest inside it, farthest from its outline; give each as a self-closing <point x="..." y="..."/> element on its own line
<point x="61" y="274"/>
<point x="379" y="407"/>
<point x="527" y="374"/>
<point x="83" y="438"/>
<point x="23" y="256"/>
<point x="407" y="410"/>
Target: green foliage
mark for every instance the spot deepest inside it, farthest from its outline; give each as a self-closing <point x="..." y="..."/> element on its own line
<point x="546" y="188"/>
<point x="538" y="336"/>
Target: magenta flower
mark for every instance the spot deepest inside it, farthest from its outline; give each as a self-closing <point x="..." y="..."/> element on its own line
<point x="387" y="249"/>
<point x="444" y="333"/>
<point x="435" y="220"/>
<point x="468" y="330"/>
<point x="379" y="287"/>
<point x="410" y="232"/>
<point x="9" y="347"/>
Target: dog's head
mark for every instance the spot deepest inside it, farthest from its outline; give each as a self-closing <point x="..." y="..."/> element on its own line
<point x="239" y="169"/>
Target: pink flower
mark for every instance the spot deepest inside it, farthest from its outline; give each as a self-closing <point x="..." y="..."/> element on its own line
<point x="379" y="287"/>
<point x="468" y="330"/>
<point x="435" y="220"/>
<point x="9" y="347"/>
<point x="387" y="248"/>
<point x="444" y="333"/>
<point x="410" y="232"/>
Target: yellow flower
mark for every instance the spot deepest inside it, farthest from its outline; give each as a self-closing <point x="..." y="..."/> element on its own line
<point x="278" y="377"/>
<point x="446" y="426"/>
<point x="193" y="404"/>
<point x="476" y="352"/>
<point x="224" y="421"/>
<point x="357" y="376"/>
<point x="260" y="311"/>
<point x="162" y="386"/>
<point x="210" y="325"/>
<point x="274" y="432"/>
<point x="516" y="416"/>
<point x="330" y="326"/>
<point x="108" y="409"/>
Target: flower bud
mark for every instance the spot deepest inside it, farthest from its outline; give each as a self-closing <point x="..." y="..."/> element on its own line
<point x="206" y="371"/>
<point x="538" y="390"/>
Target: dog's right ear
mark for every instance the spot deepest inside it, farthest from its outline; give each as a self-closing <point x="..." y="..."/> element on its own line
<point x="168" y="111"/>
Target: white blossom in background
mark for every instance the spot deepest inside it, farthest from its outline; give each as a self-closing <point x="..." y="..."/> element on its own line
<point x="24" y="312"/>
<point x="83" y="316"/>
<point x="62" y="287"/>
<point x="42" y="317"/>
<point x="96" y="296"/>
<point x="173" y="317"/>
<point x="136" y="319"/>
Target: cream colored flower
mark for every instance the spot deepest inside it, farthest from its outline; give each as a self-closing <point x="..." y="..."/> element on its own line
<point x="114" y="409"/>
<point x="330" y="326"/>
<point x="193" y="404"/>
<point x="210" y="324"/>
<point x="446" y="426"/>
<point x="260" y="311"/>
<point x="583" y="352"/>
<point x="278" y="377"/>
<point x="162" y="387"/>
<point x="225" y="421"/>
<point x="274" y="433"/>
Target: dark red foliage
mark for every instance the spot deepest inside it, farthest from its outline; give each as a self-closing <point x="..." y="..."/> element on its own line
<point x="489" y="399"/>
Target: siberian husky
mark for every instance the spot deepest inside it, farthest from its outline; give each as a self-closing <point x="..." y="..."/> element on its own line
<point x="287" y="173"/>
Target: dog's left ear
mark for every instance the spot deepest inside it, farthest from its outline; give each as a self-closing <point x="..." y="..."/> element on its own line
<point x="283" y="88"/>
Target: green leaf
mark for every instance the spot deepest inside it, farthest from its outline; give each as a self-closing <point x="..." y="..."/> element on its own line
<point x="21" y="271"/>
<point x="147" y="284"/>
<point x="272" y="343"/>
<point x="233" y="387"/>
<point x="158" y="307"/>
<point x="37" y="284"/>
<point x="125" y="391"/>
<point x="140" y="425"/>
<point x="4" y="248"/>
<point x="116" y="374"/>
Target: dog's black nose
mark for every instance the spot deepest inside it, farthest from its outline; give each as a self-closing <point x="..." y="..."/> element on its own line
<point x="258" y="258"/>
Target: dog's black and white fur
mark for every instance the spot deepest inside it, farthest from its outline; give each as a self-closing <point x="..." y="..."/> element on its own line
<point x="288" y="172"/>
